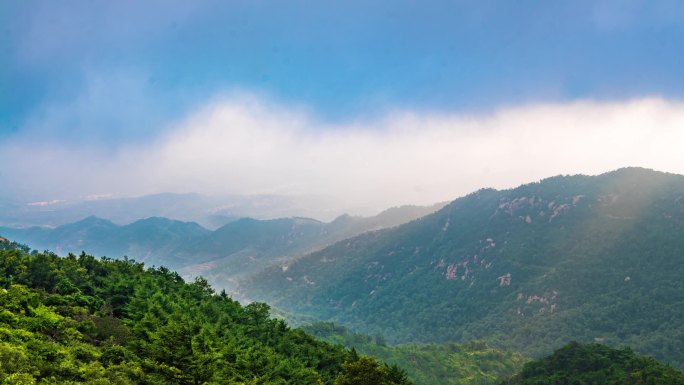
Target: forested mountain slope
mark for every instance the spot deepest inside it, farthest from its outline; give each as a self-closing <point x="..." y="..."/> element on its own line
<point x="79" y="320"/>
<point x="596" y="364"/>
<point x="247" y="246"/>
<point x="569" y="258"/>
<point x="468" y="363"/>
<point x="150" y="240"/>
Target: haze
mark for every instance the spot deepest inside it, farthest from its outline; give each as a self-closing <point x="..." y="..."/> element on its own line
<point x="370" y="105"/>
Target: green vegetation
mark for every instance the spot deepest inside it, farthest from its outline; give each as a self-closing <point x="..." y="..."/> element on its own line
<point x="528" y="269"/>
<point x="596" y="364"/>
<point x="152" y="240"/>
<point x="223" y="256"/>
<point x="469" y="363"/>
<point x="80" y="320"/>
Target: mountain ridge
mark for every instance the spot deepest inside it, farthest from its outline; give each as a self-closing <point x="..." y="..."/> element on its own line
<point x="240" y="247"/>
<point x="527" y="268"/>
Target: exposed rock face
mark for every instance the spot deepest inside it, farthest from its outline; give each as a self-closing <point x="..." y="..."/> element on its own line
<point x="505" y="280"/>
<point x="499" y="265"/>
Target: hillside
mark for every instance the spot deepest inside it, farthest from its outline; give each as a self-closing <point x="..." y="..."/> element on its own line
<point x="568" y="258"/>
<point x="467" y="363"/>
<point x="238" y="248"/>
<point x="596" y="364"/>
<point x="149" y="240"/>
<point x="79" y="320"/>
<point x="246" y="246"/>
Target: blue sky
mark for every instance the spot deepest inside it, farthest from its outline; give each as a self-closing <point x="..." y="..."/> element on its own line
<point x="110" y="74"/>
<point x="341" y="59"/>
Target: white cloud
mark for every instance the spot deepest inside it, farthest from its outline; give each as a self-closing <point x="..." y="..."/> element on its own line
<point x="245" y="145"/>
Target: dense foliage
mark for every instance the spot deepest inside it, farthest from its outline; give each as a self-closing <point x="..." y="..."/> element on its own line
<point x="469" y="363"/>
<point x="569" y="258"/>
<point x="80" y="320"/>
<point x="596" y="364"/>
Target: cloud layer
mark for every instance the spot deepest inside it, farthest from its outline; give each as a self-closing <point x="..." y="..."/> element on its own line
<point x="243" y="144"/>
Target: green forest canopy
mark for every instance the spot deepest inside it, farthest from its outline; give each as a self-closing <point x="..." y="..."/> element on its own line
<point x="596" y="364"/>
<point x="80" y="320"/>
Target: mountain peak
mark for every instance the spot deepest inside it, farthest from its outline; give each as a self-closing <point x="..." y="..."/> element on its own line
<point x="93" y="220"/>
<point x="522" y="266"/>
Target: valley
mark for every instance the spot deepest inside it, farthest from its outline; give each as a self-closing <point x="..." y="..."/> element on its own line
<point x="462" y="293"/>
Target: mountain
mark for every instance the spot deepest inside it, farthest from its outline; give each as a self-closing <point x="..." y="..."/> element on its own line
<point x="586" y="258"/>
<point x="57" y="212"/>
<point x="210" y="211"/>
<point x="247" y="246"/>
<point x="596" y="364"/>
<point x="231" y="252"/>
<point x="148" y="240"/>
<point x="80" y="320"/>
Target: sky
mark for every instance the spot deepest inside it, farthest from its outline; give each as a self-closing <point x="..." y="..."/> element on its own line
<point x="375" y="104"/>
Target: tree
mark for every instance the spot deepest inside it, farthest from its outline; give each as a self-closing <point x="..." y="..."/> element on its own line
<point x="364" y="371"/>
<point x="397" y="375"/>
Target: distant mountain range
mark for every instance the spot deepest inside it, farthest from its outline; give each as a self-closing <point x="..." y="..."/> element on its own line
<point x="209" y="211"/>
<point x="587" y="258"/>
<point x="148" y="240"/>
<point x="241" y="247"/>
